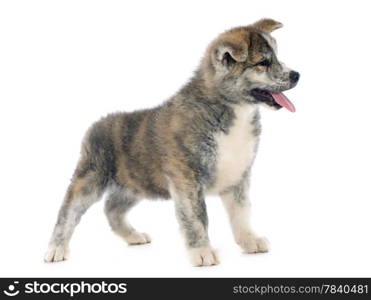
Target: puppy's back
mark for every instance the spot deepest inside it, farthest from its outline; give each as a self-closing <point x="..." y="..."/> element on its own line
<point x="123" y="149"/>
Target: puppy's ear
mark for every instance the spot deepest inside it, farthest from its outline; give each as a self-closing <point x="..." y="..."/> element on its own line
<point x="267" y="25"/>
<point x="228" y="53"/>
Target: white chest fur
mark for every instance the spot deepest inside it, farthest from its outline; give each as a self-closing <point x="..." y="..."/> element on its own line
<point x="236" y="149"/>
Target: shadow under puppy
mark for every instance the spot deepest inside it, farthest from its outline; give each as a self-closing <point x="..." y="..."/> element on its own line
<point x="201" y="141"/>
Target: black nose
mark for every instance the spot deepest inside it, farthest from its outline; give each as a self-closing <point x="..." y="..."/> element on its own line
<point x="294" y="76"/>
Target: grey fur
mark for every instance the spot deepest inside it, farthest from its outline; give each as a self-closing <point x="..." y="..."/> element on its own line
<point x="117" y="205"/>
<point x="192" y="216"/>
<point x="70" y="215"/>
<point x="172" y="150"/>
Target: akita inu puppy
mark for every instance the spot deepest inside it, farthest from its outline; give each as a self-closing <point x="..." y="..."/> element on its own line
<point x="201" y="141"/>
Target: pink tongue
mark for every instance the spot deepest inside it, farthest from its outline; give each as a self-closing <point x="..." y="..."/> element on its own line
<point x="282" y="100"/>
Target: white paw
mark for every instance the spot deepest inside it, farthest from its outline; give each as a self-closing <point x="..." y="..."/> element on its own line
<point x="56" y="253"/>
<point x="138" y="238"/>
<point x="252" y="244"/>
<point x="203" y="256"/>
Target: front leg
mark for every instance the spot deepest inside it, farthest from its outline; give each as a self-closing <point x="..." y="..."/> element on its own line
<point x="237" y="205"/>
<point x="192" y="216"/>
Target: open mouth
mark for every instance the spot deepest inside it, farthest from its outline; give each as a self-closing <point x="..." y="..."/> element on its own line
<point x="277" y="100"/>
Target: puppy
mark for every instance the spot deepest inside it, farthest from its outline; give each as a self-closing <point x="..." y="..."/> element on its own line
<point x="202" y="141"/>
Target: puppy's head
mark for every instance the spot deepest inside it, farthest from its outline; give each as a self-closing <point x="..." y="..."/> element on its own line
<point x="242" y="65"/>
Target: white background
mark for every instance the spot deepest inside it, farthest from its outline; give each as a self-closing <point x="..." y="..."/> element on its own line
<point x="64" y="64"/>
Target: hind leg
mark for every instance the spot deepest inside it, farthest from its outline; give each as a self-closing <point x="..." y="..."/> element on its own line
<point x="118" y="204"/>
<point x="81" y="194"/>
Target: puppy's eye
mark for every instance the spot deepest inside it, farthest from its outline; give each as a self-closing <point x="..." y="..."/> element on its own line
<point x="264" y="63"/>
